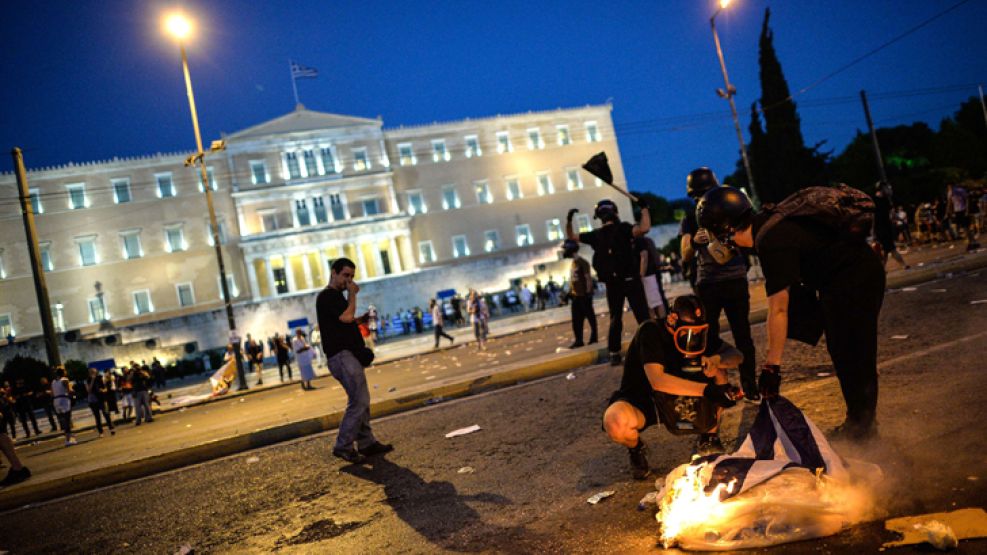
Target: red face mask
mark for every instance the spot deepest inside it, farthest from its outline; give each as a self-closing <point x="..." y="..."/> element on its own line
<point x="690" y="340"/>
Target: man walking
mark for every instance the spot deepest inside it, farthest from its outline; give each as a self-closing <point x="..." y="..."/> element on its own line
<point x="580" y="294"/>
<point x="437" y="319"/>
<point x="347" y="356"/>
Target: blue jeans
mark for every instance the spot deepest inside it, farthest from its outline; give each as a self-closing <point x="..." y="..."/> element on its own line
<point x="142" y="406"/>
<point x="355" y="425"/>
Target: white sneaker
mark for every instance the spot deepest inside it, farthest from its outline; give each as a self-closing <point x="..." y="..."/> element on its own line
<point x="71" y="441"/>
<point x="100" y="435"/>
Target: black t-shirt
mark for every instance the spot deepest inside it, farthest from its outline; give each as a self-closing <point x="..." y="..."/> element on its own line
<point x="647" y="245"/>
<point x="653" y="344"/>
<point x="614" y="257"/>
<point x="799" y="250"/>
<point x="709" y="270"/>
<point x="336" y="336"/>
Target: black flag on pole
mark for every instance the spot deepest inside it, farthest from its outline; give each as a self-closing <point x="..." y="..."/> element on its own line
<point x="599" y="167"/>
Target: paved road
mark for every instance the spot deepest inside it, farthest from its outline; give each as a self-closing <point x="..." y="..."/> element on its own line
<point x="539" y="455"/>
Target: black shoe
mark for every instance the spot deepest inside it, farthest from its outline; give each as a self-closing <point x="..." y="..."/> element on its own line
<point x="614" y="359"/>
<point x="592" y="341"/>
<point x="640" y="469"/>
<point x="751" y="392"/>
<point x="709" y="444"/>
<point x="349" y="455"/>
<point x="376" y="448"/>
<point x="15" y="477"/>
<point x="576" y="345"/>
<point x="857" y="433"/>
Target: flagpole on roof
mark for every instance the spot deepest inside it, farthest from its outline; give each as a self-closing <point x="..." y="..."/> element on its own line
<point x="294" y="85"/>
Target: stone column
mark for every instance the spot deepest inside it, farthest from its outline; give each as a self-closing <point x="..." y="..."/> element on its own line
<point x="252" y="279"/>
<point x="410" y="256"/>
<point x="395" y="255"/>
<point x="361" y="262"/>
<point x="324" y="263"/>
<point x="272" y="289"/>
<point x="289" y="274"/>
<point x="393" y="198"/>
<point x="307" y="270"/>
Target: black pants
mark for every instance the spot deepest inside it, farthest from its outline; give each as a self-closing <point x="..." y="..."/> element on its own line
<point x="282" y="364"/>
<point x="99" y="409"/>
<point x="50" y="413"/>
<point x="850" y="310"/>
<point x="617" y="291"/>
<point x="24" y="414"/>
<point x="582" y="309"/>
<point x="440" y="333"/>
<point x="733" y="298"/>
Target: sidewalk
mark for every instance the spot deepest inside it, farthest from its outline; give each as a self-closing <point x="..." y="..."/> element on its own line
<point x="237" y="423"/>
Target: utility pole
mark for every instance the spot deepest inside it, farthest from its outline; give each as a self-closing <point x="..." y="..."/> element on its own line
<point x="873" y="138"/>
<point x="982" y="105"/>
<point x="40" y="287"/>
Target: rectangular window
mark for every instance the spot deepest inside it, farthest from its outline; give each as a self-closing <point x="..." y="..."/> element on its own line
<point x="186" y="297"/>
<point x="406" y="155"/>
<point x="209" y="176"/>
<point x="513" y="188"/>
<point x="301" y="212"/>
<point x="460" y="247"/>
<point x="450" y="197"/>
<point x="439" y="151"/>
<point x="504" y="142"/>
<point x="87" y="251"/>
<point x="58" y="316"/>
<point x="142" y="302"/>
<point x="231" y="285"/>
<point x="121" y="191"/>
<point x="328" y="159"/>
<point x="592" y="132"/>
<point x="6" y="326"/>
<point x="361" y="162"/>
<point x="473" y="146"/>
<point x="523" y="235"/>
<point x="483" y="194"/>
<point x="371" y="206"/>
<point x="572" y="179"/>
<point x="491" y="240"/>
<point x="258" y="172"/>
<point x="582" y="223"/>
<point x="545" y="186"/>
<point x="131" y="244"/>
<point x="77" y="196"/>
<point x="97" y="310"/>
<point x="562" y="135"/>
<point x="294" y="169"/>
<point x="319" y="208"/>
<point x="46" y="263"/>
<point x="426" y="254"/>
<point x="175" y="239"/>
<point x="222" y="232"/>
<point x="416" y="203"/>
<point x="534" y="139"/>
<point x="311" y="167"/>
<point x="166" y="186"/>
<point x="337" y="202"/>
<point x="553" y="229"/>
<point x="269" y="221"/>
<point x="36" y="207"/>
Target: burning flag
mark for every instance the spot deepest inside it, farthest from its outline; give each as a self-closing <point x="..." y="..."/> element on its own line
<point x="784" y="484"/>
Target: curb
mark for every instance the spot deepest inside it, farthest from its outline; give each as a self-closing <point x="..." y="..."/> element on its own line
<point x="548" y="365"/>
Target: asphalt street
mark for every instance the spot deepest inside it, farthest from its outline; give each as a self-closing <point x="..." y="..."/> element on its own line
<point x="539" y="456"/>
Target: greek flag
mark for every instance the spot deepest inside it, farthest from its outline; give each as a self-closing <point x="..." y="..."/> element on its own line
<point x="300" y="71"/>
<point x="781" y="437"/>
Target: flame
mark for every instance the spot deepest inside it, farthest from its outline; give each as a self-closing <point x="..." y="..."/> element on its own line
<point x="687" y="505"/>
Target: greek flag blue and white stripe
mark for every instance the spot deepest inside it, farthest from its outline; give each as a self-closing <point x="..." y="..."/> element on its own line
<point x="780" y="437"/>
<point x="298" y="70"/>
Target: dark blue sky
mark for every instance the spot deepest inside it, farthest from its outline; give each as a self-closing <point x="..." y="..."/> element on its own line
<point x="86" y="80"/>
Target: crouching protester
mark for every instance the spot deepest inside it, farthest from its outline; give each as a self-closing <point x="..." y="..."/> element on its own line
<point x="820" y="276"/>
<point x="667" y="379"/>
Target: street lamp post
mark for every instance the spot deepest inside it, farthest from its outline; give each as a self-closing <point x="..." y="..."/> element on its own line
<point x="728" y="93"/>
<point x="179" y="27"/>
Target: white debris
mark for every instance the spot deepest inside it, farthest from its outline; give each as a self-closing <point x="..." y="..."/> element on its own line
<point x="242" y="399"/>
<point x="972" y="478"/>
<point x="650" y="499"/>
<point x="252" y="460"/>
<point x="429" y="378"/>
<point x="909" y="289"/>
<point x="464" y="431"/>
<point x="508" y="353"/>
<point x="570" y="376"/>
<point x="979" y="301"/>
<point x="824" y="374"/>
<point x="185" y="550"/>
<point x="938" y="290"/>
<point x="466" y="470"/>
<point x="597" y="497"/>
<point x="899" y="337"/>
<point x="939" y="535"/>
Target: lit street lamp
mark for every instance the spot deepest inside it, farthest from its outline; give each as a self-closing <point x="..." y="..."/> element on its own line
<point x="728" y="93"/>
<point x="180" y="27"/>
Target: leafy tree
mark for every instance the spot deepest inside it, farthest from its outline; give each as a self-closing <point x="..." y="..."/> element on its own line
<point x="663" y="211"/>
<point x="31" y="370"/>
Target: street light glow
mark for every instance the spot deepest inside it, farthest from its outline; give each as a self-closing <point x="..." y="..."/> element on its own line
<point x="178" y="26"/>
<point x="724" y="4"/>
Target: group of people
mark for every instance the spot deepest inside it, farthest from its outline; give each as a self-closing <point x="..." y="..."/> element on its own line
<point x="960" y="213"/>
<point x="283" y="348"/>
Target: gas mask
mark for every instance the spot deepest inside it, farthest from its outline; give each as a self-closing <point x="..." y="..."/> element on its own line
<point x="719" y="248"/>
<point x="689" y="333"/>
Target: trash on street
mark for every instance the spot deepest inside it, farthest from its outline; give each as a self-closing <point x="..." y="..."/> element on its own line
<point x="597" y="497"/>
<point x="464" y="431"/>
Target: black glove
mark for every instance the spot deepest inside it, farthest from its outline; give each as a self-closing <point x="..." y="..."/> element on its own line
<point x="720" y="395"/>
<point x="770" y="381"/>
<point x="642" y="204"/>
<point x="572" y="213"/>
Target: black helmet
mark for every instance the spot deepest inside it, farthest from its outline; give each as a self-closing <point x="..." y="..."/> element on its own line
<point x="569" y="248"/>
<point x="687" y="324"/>
<point x="699" y="181"/>
<point x="606" y="210"/>
<point x="724" y="210"/>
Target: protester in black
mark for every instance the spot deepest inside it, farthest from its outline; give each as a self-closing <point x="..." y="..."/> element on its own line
<point x="580" y="294"/>
<point x="281" y="350"/>
<point x="668" y="379"/>
<point x="650" y="271"/>
<point x="803" y="256"/>
<point x="616" y="265"/>
<point x="721" y="284"/>
<point x="884" y="231"/>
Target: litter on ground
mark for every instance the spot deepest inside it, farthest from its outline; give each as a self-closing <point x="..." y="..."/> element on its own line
<point x="899" y="337"/>
<point x="824" y="374"/>
<point x="570" y="376"/>
<point x="964" y="524"/>
<point x="252" y="460"/>
<point x="979" y="301"/>
<point x="466" y="470"/>
<point x="909" y="289"/>
<point x="597" y="497"/>
<point x="464" y="431"/>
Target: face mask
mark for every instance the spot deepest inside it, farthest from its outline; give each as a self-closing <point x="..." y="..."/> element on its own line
<point x="721" y="252"/>
<point x="690" y="340"/>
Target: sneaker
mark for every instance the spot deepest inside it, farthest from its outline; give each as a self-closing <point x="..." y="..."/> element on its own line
<point x="349" y="455"/>
<point x="751" y="394"/>
<point x="857" y="433"/>
<point x="113" y="432"/>
<point x="576" y="345"/>
<point x="15" y="477"/>
<point x="709" y="444"/>
<point x="640" y="469"/>
<point x="376" y="448"/>
<point x="71" y="441"/>
<point x="615" y="359"/>
<point x="99" y="434"/>
<point x="592" y="341"/>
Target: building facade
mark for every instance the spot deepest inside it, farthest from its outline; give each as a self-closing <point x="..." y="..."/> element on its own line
<point x="128" y="255"/>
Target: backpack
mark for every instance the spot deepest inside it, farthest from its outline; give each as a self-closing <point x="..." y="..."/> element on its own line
<point x="613" y="252"/>
<point x="847" y="211"/>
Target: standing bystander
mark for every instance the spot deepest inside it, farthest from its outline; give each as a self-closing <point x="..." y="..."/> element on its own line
<point x="61" y="393"/>
<point x="437" y="319"/>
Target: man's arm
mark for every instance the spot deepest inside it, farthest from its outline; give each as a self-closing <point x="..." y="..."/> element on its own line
<point x="644" y="263"/>
<point x="672" y="385"/>
<point x="569" y="232"/>
<point x="685" y="247"/>
<point x="777" y="326"/>
<point x="644" y="225"/>
<point x="349" y="315"/>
